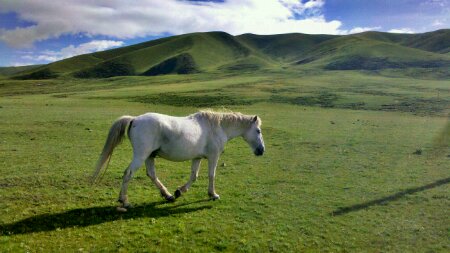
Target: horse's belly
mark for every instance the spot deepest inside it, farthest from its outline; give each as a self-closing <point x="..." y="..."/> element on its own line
<point x="180" y="153"/>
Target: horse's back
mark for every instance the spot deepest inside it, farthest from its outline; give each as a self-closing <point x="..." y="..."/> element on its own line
<point x="175" y="138"/>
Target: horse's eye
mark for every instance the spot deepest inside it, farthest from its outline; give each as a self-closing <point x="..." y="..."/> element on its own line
<point x="258" y="131"/>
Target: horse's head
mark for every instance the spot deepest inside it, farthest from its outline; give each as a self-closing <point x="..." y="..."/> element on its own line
<point x="253" y="136"/>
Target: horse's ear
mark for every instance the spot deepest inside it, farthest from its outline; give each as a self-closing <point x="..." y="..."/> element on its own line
<point x="255" y="118"/>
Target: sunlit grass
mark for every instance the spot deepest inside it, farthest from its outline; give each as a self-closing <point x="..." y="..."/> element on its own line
<point x="333" y="178"/>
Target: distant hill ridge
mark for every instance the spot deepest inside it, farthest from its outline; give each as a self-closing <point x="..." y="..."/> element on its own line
<point x="220" y="51"/>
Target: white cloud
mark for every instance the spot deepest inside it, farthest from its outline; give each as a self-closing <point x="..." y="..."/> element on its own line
<point x="401" y="30"/>
<point x="437" y="22"/>
<point x="19" y="64"/>
<point x="314" y="4"/>
<point x="70" y="51"/>
<point x="362" y="29"/>
<point x="124" y="20"/>
<point x="439" y="3"/>
<point x="312" y="7"/>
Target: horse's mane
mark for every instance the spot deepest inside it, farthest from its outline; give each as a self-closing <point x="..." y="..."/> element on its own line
<point x="227" y="118"/>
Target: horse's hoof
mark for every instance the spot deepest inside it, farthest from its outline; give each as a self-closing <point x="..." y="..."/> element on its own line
<point x="213" y="197"/>
<point x="170" y="199"/>
<point x="121" y="209"/>
<point x="127" y="205"/>
<point x="177" y="193"/>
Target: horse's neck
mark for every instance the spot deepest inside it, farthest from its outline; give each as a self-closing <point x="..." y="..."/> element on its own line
<point x="233" y="131"/>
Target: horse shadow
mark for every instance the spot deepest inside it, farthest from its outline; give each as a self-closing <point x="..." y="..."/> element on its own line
<point x="387" y="199"/>
<point x="83" y="217"/>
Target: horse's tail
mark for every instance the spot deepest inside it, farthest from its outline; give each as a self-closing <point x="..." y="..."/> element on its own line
<point x="115" y="137"/>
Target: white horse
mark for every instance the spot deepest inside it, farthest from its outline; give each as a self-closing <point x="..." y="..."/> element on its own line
<point x="197" y="136"/>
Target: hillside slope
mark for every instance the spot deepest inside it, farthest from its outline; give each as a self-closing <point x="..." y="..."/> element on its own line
<point x="283" y="47"/>
<point x="219" y="51"/>
<point x="437" y="41"/>
<point x="9" y="71"/>
<point x="362" y="51"/>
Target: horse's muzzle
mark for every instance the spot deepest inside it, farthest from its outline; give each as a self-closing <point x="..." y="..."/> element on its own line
<point x="259" y="151"/>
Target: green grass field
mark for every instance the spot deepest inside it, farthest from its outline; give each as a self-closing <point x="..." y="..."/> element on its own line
<point x="354" y="162"/>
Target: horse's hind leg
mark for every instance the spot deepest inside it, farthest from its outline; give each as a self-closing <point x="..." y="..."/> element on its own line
<point x="150" y="164"/>
<point x="194" y="174"/>
<point x="127" y="175"/>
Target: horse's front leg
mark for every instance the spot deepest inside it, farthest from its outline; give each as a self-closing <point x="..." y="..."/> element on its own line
<point x="212" y="164"/>
<point x="194" y="175"/>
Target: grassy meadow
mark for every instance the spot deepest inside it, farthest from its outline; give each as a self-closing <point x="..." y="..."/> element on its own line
<point x="355" y="161"/>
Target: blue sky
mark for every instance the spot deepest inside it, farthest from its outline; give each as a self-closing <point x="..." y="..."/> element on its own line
<point x="38" y="32"/>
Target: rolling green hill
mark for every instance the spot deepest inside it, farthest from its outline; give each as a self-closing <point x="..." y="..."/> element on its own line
<point x="219" y="51"/>
<point x="437" y="41"/>
<point x="283" y="47"/>
<point x="9" y="71"/>
<point x="361" y="51"/>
